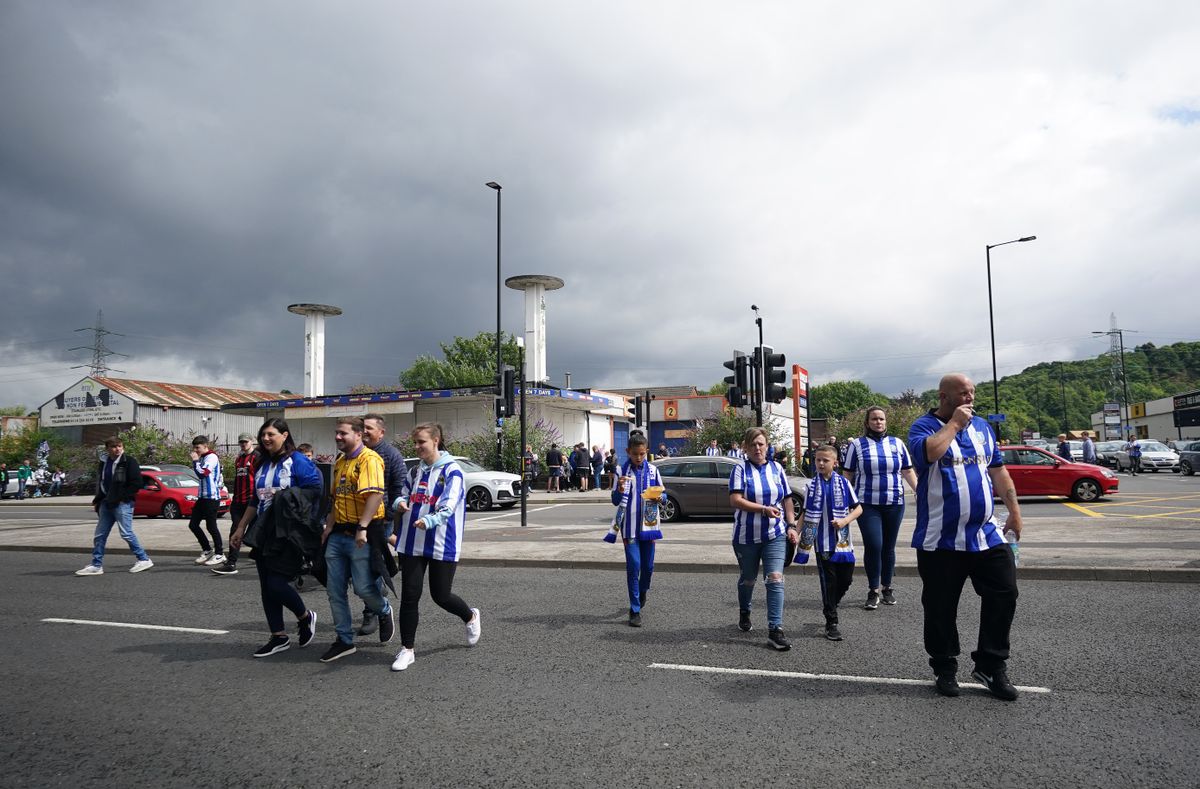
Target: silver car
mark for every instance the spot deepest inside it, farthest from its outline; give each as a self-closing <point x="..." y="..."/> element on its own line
<point x="699" y="485"/>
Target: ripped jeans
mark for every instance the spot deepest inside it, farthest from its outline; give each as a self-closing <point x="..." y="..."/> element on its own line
<point x="770" y="556"/>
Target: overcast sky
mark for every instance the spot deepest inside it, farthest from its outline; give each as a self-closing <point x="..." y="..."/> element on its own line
<point x="193" y="168"/>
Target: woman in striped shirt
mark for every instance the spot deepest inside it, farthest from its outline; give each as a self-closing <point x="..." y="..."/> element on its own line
<point x="876" y="463"/>
<point x="762" y="504"/>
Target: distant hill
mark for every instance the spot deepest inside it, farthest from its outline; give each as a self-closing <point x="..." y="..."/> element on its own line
<point x="1033" y="398"/>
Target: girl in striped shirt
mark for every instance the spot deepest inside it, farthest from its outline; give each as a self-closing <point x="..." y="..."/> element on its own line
<point x="633" y="478"/>
<point x="430" y="539"/>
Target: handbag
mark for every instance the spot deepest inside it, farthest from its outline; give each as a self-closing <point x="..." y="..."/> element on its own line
<point x="254" y="531"/>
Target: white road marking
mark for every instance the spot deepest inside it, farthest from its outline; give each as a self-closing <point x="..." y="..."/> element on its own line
<point x="755" y="672"/>
<point x="134" y="626"/>
<point x="513" y="512"/>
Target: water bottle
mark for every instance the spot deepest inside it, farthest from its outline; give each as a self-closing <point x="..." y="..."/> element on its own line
<point x="1014" y="544"/>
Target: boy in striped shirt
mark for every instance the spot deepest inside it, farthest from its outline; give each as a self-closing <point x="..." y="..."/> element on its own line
<point x="830" y="506"/>
<point x="208" y="502"/>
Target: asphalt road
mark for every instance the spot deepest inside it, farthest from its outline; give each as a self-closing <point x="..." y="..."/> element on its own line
<point x="560" y="691"/>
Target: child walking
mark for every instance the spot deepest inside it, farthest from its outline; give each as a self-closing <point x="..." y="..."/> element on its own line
<point x="633" y="478"/>
<point x="829" y="507"/>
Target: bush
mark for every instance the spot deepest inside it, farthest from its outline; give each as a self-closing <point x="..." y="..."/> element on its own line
<point x="481" y="447"/>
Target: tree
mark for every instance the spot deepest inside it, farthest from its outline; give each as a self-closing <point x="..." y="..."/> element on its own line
<point x="481" y="446"/>
<point x="836" y="399"/>
<point x="469" y="361"/>
<point x="13" y="410"/>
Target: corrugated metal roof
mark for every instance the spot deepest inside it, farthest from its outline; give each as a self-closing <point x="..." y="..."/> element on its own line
<point x="657" y="391"/>
<point x="181" y="395"/>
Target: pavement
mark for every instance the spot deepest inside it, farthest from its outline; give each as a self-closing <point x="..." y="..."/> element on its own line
<point x="1148" y="532"/>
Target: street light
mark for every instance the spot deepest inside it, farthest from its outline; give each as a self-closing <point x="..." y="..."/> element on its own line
<point x="761" y="387"/>
<point x="992" y="321"/>
<point x="499" y="358"/>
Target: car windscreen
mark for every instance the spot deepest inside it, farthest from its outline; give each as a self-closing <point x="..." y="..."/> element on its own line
<point x="178" y="481"/>
<point x="468" y="465"/>
<point x="1153" y="446"/>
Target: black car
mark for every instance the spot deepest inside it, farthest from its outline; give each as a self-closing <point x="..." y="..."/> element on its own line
<point x="699" y="485"/>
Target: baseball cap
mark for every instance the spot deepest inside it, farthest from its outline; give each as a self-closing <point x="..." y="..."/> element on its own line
<point x="245" y="437"/>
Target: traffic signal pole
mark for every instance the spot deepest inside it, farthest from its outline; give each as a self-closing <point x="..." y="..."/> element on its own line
<point x="760" y="389"/>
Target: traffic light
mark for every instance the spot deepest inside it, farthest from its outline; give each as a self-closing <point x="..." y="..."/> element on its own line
<point x="637" y="411"/>
<point x="739" y="383"/>
<point x="773" y="375"/>
<point x="509" y="395"/>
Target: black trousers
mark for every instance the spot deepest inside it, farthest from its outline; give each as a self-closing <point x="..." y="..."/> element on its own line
<point x="236" y="511"/>
<point x="994" y="576"/>
<point x="206" y="510"/>
<point x="835" y="579"/>
<point x="441" y="579"/>
<point x="277" y="594"/>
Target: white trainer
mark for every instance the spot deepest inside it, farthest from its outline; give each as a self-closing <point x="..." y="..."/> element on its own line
<point x="404" y="659"/>
<point x="91" y="569"/>
<point x="217" y="558"/>
<point x="474" y="628"/>
<point x="141" y="564"/>
<point x="204" y="557"/>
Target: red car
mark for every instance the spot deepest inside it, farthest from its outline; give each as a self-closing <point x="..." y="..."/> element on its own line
<point x="1036" y="472"/>
<point x="172" y="494"/>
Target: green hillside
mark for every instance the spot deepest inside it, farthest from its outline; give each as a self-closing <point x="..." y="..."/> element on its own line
<point x="1034" y="397"/>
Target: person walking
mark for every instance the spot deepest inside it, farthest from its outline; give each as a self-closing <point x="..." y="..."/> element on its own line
<point x="24" y="474"/>
<point x="1134" y="448"/>
<point x="243" y="498"/>
<point x="876" y="463"/>
<point x="208" y="502"/>
<point x="634" y="478"/>
<point x="764" y="521"/>
<point x="1063" y="450"/>
<point x="283" y="476"/>
<point x="960" y="470"/>
<point x="430" y="540"/>
<point x="357" y="510"/>
<point x="395" y="477"/>
<point x="830" y="504"/>
<point x="118" y="479"/>
<point x="1089" y="449"/>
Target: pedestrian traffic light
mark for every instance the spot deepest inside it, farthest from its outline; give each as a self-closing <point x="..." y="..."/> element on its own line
<point x="738" y="389"/>
<point x="773" y="375"/>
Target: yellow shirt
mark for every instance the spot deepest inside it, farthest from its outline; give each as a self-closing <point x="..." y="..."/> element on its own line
<point x="353" y="481"/>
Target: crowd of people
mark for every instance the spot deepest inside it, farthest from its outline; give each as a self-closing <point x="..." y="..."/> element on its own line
<point x="379" y="520"/>
<point x="33" y="482"/>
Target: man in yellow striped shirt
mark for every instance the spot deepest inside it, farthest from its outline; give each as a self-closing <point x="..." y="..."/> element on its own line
<point x="356" y="493"/>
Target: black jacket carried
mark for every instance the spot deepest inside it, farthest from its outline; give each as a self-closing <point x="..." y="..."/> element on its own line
<point x="287" y="535"/>
<point x="126" y="481"/>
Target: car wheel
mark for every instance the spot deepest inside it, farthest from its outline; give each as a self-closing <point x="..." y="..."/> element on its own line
<point x="798" y="507"/>
<point x="1186" y="469"/>
<point x="508" y="505"/>
<point x="171" y="510"/>
<point x="479" y="499"/>
<point x="669" y="511"/>
<point x="1085" y="490"/>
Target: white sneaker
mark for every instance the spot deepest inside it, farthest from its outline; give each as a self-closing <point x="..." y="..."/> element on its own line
<point x="141" y="564"/>
<point x="204" y="557"/>
<point x="404" y="659"/>
<point x="91" y="569"/>
<point x="217" y="558"/>
<point x="474" y="628"/>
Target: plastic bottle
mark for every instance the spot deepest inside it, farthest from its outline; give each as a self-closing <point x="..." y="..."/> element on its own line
<point x="1014" y="545"/>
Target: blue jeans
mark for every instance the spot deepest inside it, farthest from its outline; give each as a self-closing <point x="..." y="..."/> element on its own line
<point x="345" y="562"/>
<point x="880" y="525"/>
<point x="596" y="471"/>
<point x="770" y="556"/>
<point x="639" y="566"/>
<point x="122" y="515"/>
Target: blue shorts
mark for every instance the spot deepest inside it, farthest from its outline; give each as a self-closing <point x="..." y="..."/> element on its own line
<point x="556" y="471"/>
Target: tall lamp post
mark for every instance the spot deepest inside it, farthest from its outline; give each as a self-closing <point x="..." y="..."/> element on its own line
<point x="761" y="388"/>
<point x="499" y="357"/>
<point x="992" y="321"/>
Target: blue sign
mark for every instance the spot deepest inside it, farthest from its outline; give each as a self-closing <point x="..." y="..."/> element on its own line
<point x="997" y="418"/>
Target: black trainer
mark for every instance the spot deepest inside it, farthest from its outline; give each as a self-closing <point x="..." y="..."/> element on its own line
<point x="225" y="568"/>
<point x="306" y="628"/>
<point x="369" y="623"/>
<point x="777" y="639"/>
<point x="947" y="684"/>
<point x="832" y="633"/>
<point x="744" y="621"/>
<point x="339" y="649"/>
<point x="276" y="644"/>
<point x="997" y="683"/>
<point x="387" y="626"/>
<point x="872" y="601"/>
<point x="889" y="597"/>
<point x="635" y="619"/>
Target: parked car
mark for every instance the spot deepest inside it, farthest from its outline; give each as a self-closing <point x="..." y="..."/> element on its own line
<point x="484" y="488"/>
<point x="171" y="494"/>
<point x="1036" y="472"/>
<point x="1108" y="454"/>
<point x="699" y="485"/>
<point x="1155" y="456"/>
<point x="1189" y="456"/>
<point x="178" y="468"/>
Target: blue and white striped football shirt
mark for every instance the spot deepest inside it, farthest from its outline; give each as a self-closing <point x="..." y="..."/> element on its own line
<point x="439" y="497"/>
<point x="645" y="477"/>
<point x="876" y="464"/>
<point x="208" y="469"/>
<point x="275" y="474"/>
<point x="955" y="511"/>
<point x="712" y="451"/>
<point x="766" y="485"/>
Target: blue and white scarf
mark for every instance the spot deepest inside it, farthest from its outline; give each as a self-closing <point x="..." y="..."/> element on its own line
<point x="818" y="532"/>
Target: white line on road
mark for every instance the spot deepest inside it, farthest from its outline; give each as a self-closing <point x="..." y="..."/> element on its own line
<point x="137" y="626"/>
<point x="755" y="672"/>
<point x="513" y="512"/>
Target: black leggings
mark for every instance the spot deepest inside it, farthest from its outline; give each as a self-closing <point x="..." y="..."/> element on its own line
<point x="206" y="510"/>
<point x="278" y="593"/>
<point x="441" y="578"/>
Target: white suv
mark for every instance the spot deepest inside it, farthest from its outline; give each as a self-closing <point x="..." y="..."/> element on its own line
<point x="484" y="488"/>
